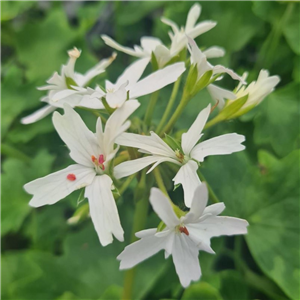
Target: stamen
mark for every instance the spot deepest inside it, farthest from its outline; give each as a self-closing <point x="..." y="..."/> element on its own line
<point x="184" y="230"/>
<point x="179" y="155"/>
<point x="101" y="161"/>
<point x="93" y="158"/>
<point x="71" y="177"/>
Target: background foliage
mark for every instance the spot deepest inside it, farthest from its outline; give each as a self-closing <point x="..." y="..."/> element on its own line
<point x="45" y="258"/>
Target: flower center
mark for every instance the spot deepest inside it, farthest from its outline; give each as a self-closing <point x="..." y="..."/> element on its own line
<point x="181" y="157"/>
<point x="99" y="163"/>
<point x="183" y="229"/>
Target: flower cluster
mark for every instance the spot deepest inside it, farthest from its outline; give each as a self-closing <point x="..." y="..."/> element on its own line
<point x="99" y="165"/>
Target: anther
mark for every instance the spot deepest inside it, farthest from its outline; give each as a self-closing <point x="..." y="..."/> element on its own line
<point x="184" y="230"/>
<point x="93" y="158"/>
<point x="71" y="177"/>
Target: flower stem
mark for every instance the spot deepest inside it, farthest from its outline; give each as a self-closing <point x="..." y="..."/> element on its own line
<point x="159" y="181"/>
<point x="183" y="102"/>
<point x="169" y="106"/>
<point x="139" y="221"/>
<point x="212" y="196"/>
<point x="150" y="108"/>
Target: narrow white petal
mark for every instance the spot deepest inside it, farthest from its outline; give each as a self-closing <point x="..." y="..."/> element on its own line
<point x="214" y="52"/>
<point x="63" y="94"/>
<point x="221" y="69"/>
<point x="56" y="186"/>
<point x="220" y="95"/>
<point x="192" y="136"/>
<point x="116" y="121"/>
<point x="149" y="43"/>
<point x="132" y="166"/>
<point x="133" y="73"/>
<point x="162" y="206"/>
<point x="116" y="98"/>
<point x="140" y="250"/>
<point x="152" y="144"/>
<point x="91" y="102"/>
<point x="146" y="232"/>
<point x="103" y="210"/>
<point x="193" y="16"/>
<point x="38" y="115"/>
<point x="185" y="258"/>
<point x="214" y="209"/>
<point x="187" y="176"/>
<point x="157" y="80"/>
<point x="198" y="205"/>
<point x="220" y="145"/>
<point x="201" y="28"/>
<point x="217" y="226"/>
<point x="79" y="139"/>
<point x="110" y="42"/>
<point x="172" y="24"/>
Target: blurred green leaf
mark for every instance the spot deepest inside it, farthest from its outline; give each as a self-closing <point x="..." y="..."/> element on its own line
<point x="113" y="292"/>
<point x="42" y="46"/>
<point x="12" y="9"/>
<point x="276" y="120"/>
<point x="202" y="291"/>
<point x="15" y="200"/>
<point x="16" y="97"/>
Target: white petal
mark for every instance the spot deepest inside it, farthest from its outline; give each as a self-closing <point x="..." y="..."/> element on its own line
<point x="38" y="115"/>
<point x="56" y="186"/>
<point x="116" y="121"/>
<point x="149" y="43"/>
<point x="140" y="250"/>
<point x="187" y="176"/>
<point x="193" y="16"/>
<point x="79" y="139"/>
<point x="162" y="206"/>
<point x="103" y="210"/>
<point x="201" y="28"/>
<point x="214" y="209"/>
<point x="213" y="52"/>
<point x="198" y="205"/>
<point x="190" y="138"/>
<point x="157" y="80"/>
<point x="116" y="98"/>
<point x="185" y="258"/>
<point x="133" y="73"/>
<point x="146" y="232"/>
<point x="152" y="144"/>
<point x="110" y="42"/>
<point x="221" y="69"/>
<point x="217" y="226"/>
<point x="220" y="94"/>
<point x="172" y="24"/>
<point x="91" y="102"/>
<point x="220" y="145"/>
<point x="63" y="94"/>
<point x="132" y="166"/>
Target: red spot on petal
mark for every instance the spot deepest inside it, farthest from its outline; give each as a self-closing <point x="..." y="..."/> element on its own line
<point x="184" y="230"/>
<point x="93" y="158"/>
<point x="71" y="177"/>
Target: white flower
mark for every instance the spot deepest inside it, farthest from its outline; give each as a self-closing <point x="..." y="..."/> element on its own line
<point x="67" y="87"/>
<point x="92" y="154"/>
<point x="162" y="54"/>
<point x="257" y="90"/>
<point x="183" y="236"/>
<point x="116" y="93"/>
<point x="191" y="29"/>
<point x="187" y="155"/>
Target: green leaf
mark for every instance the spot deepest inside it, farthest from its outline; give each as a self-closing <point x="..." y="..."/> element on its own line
<point x="291" y="29"/>
<point x="191" y="79"/>
<point x="154" y="62"/>
<point x="45" y="44"/>
<point x="174" y="144"/>
<point x="16" y="173"/>
<point x="11" y="9"/>
<point x="113" y="292"/>
<point x="16" y="97"/>
<point x="277" y="120"/>
<point x="269" y="201"/>
<point x="201" y="290"/>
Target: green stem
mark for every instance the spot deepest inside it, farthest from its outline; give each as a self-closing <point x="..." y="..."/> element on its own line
<point x="150" y="108"/>
<point x="139" y="221"/>
<point x="212" y="196"/>
<point x="159" y="181"/>
<point x="183" y="102"/>
<point x="14" y="152"/>
<point x="94" y="112"/>
<point x="126" y="184"/>
<point x="169" y="106"/>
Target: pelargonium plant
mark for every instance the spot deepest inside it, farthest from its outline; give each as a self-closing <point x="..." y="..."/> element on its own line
<point x="99" y="165"/>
